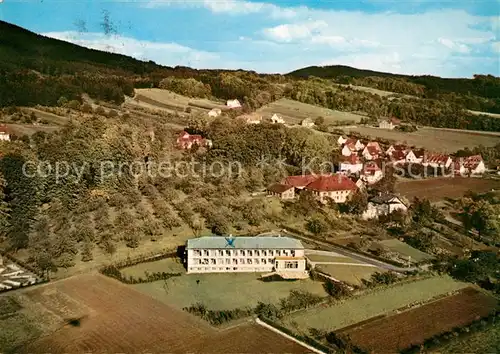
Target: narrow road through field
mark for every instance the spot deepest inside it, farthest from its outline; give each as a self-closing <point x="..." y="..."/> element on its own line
<point x="352" y="254"/>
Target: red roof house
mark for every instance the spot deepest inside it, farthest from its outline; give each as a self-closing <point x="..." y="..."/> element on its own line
<point x="337" y="188"/>
<point x="186" y="141"/>
<point x="299" y="181"/>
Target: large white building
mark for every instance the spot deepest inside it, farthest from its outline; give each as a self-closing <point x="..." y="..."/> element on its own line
<point x="218" y="254"/>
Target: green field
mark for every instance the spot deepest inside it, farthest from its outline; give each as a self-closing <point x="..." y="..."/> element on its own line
<point x="379" y="302"/>
<point x="487" y="341"/>
<point x="348" y="273"/>
<point x="406" y="250"/>
<point x="16" y="325"/>
<point x="319" y="258"/>
<point x="224" y="291"/>
<point x="293" y="112"/>
<point x="433" y="139"/>
<point x="167" y="265"/>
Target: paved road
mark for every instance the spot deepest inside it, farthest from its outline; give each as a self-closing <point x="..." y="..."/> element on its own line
<point x="331" y="247"/>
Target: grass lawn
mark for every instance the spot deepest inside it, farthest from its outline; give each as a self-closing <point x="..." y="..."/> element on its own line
<point x="293" y="112"/>
<point x="168" y="265"/>
<point x="348" y="273"/>
<point x="319" y="258"/>
<point x="406" y="250"/>
<point x="379" y="302"/>
<point x="224" y="291"/>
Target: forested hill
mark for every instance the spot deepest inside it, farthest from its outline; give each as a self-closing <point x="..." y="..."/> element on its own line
<point x="481" y="86"/>
<point x="36" y="70"/>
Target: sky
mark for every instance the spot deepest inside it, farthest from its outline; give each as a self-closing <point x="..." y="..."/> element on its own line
<point x="457" y="38"/>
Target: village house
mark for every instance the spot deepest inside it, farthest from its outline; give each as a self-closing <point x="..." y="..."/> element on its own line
<point x="233" y="104"/>
<point x="341" y="140"/>
<point x="372" y="151"/>
<point x="398" y="157"/>
<point x="352" y="146"/>
<point x="437" y="160"/>
<point x="276" y="119"/>
<point x="389" y="123"/>
<point x="415" y="156"/>
<point x="217" y="254"/>
<point x="4" y="133"/>
<point x="215" y="112"/>
<point x="351" y="164"/>
<point x="186" y="141"/>
<point x="471" y="165"/>
<point x="383" y="205"/>
<point x="307" y="123"/>
<point x="393" y="148"/>
<point x="283" y="191"/>
<point x="372" y="172"/>
<point x="337" y="188"/>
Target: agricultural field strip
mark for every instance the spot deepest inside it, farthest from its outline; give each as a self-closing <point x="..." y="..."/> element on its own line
<point x="374" y="303"/>
<point x="125" y="320"/>
<point x="444" y="313"/>
<point x="405" y="250"/>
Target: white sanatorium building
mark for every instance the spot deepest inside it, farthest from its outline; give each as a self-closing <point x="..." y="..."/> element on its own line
<point x="218" y="254"/>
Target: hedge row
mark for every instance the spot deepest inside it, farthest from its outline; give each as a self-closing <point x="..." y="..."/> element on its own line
<point x="443" y="338"/>
<point x="169" y="253"/>
<point x="24" y="265"/>
<point x="114" y="272"/>
<point x="218" y="317"/>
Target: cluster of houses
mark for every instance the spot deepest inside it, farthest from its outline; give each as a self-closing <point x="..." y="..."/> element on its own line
<point x="4" y="133"/>
<point x="367" y="159"/>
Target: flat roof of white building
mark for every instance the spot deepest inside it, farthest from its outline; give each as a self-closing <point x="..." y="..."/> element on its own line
<point x="244" y="242"/>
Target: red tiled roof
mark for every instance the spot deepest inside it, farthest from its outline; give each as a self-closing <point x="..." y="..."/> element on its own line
<point x="352" y="159"/>
<point x="470" y="162"/>
<point x="371" y="167"/>
<point x="418" y="153"/>
<point x="279" y="188"/>
<point x="374" y="144"/>
<point x="372" y="150"/>
<point x="350" y="141"/>
<point x="299" y="181"/>
<point x="332" y="183"/>
<point x="437" y="158"/>
<point x="185" y="136"/>
<point x="398" y="155"/>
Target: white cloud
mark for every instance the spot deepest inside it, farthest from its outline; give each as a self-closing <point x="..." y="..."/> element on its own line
<point x="291" y="32"/>
<point x="229" y="7"/>
<point x="454" y="45"/>
<point x="162" y="53"/>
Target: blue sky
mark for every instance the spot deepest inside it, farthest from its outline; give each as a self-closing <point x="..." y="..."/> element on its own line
<point x="446" y="38"/>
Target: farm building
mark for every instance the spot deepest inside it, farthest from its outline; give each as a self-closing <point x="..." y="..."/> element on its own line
<point x="437" y="160"/>
<point x="471" y="165"/>
<point x="233" y="104"/>
<point x="341" y="140"/>
<point x="218" y="254"/>
<point x="276" y="119"/>
<point x="299" y="182"/>
<point x="308" y="123"/>
<point x="283" y="191"/>
<point x="186" y="141"/>
<point x="215" y="112"/>
<point x="383" y="205"/>
<point x="389" y="123"/>
<point x="4" y="133"/>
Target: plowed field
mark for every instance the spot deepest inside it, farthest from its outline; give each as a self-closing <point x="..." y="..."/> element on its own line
<point x="116" y="318"/>
<point x="394" y="333"/>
